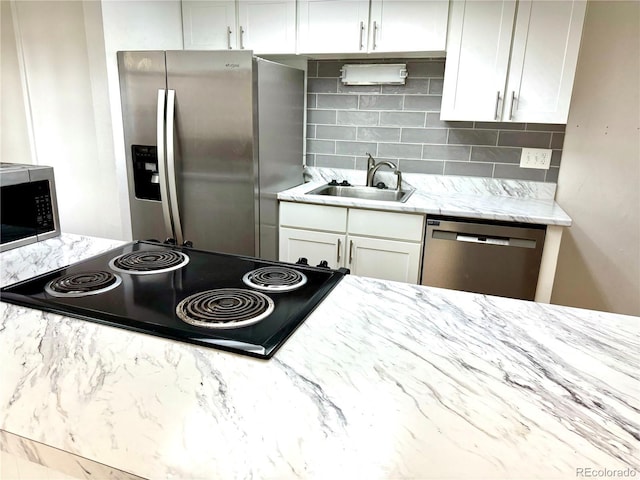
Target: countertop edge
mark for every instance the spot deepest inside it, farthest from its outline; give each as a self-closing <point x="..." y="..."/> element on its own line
<point x="481" y="207"/>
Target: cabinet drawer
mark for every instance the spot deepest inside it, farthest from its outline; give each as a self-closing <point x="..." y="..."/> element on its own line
<point x="401" y="226"/>
<point x="315" y="217"/>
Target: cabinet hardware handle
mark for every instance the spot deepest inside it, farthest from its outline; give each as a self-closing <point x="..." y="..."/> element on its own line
<point x="375" y="34"/>
<point x="229" y="38"/>
<point x="513" y="100"/>
<point x="350" y="251"/>
<point x="495" y="114"/>
<point x="361" y="35"/>
<point x="241" y="38"/>
<point x="339" y="248"/>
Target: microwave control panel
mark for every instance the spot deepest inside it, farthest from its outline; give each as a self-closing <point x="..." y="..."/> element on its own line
<point x="42" y="204"/>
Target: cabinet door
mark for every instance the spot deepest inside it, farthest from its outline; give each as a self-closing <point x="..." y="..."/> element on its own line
<point x="384" y="259"/>
<point x="408" y="26"/>
<point x="209" y="25"/>
<point x="544" y="55"/>
<point x="314" y="246"/>
<point x="332" y="26"/>
<point x="477" y="59"/>
<point x="267" y="26"/>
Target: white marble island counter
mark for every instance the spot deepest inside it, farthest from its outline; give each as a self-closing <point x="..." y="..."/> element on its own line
<point x="383" y="380"/>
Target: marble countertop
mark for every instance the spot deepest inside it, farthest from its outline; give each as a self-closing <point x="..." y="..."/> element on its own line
<point x="453" y="198"/>
<point x="383" y="380"/>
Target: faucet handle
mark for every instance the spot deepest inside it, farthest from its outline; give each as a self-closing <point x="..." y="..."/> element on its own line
<point x="370" y="161"/>
<point x="399" y="180"/>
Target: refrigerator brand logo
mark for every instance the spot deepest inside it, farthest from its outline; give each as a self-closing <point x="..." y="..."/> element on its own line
<point x="232" y="65"/>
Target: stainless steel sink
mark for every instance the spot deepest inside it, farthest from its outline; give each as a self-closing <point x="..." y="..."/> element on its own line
<point x="364" y="193"/>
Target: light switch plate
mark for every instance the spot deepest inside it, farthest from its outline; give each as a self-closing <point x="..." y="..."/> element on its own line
<point x="536" y="158"/>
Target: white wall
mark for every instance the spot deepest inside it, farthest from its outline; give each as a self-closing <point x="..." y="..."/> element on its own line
<point x="69" y="66"/>
<point x="63" y="64"/>
<point x="14" y="130"/>
<point x="599" y="181"/>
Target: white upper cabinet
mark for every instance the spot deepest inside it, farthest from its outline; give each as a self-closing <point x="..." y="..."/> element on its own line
<point x="209" y="25"/>
<point x="477" y="59"/>
<point x="267" y="26"/>
<point x="332" y="26"/>
<point x="264" y="26"/>
<point x="352" y="26"/>
<point x="544" y="55"/>
<point x="492" y="75"/>
<point x="399" y="26"/>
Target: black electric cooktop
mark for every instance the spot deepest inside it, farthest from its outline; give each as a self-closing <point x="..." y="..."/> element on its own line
<point x="234" y="303"/>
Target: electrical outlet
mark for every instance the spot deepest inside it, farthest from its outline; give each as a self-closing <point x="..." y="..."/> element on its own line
<point x="536" y="158"/>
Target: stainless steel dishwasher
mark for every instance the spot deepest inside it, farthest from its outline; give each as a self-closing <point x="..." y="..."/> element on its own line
<point x="494" y="258"/>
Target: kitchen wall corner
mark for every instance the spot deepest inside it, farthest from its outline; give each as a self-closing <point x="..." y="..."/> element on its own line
<point x="599" y="182"/>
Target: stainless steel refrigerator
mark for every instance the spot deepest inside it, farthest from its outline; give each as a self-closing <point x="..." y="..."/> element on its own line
<point x="210" y="138"/>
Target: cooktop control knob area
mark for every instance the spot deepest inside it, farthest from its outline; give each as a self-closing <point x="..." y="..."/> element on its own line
<point x="323" y="264"/>
<point x="302" y="261"/>
<point x="343" y="183"/>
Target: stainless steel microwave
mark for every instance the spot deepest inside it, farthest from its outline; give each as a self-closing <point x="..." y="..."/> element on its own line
<point x="29" y="208"/>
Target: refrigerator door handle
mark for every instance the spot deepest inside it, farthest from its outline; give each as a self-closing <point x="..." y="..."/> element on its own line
<point x="171" y="166"/>
<point x="162" y="164"/>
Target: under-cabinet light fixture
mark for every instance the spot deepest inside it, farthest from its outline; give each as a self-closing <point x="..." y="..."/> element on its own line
<point x="374" y="74"/>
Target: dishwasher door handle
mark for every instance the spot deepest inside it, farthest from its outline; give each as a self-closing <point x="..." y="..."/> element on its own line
<point x="483" y="239"/>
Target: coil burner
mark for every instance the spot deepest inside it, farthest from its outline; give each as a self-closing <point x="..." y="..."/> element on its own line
<point x="275" y="279"/>
<point x="225" y="308"/>
<point x="82" y="284"/>
<point x="149" y="262"/>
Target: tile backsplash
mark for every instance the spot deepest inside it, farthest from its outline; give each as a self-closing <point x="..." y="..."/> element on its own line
<point x="401" y="124"/>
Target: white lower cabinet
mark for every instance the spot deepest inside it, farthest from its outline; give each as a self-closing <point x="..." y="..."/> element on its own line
<point x="370" y="243"/>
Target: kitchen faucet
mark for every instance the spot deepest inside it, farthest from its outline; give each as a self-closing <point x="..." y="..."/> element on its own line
<point x="373" y="167"/>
